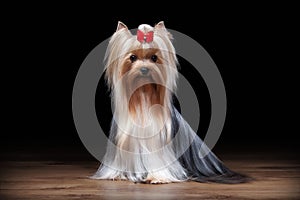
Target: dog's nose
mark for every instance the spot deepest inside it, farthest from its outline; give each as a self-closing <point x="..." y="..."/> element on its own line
<point x="144" y="70"/>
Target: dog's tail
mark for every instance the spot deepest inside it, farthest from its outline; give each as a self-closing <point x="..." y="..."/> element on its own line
<point x="201" y="164"/>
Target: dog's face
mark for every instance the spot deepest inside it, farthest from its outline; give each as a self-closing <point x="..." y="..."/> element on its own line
<point x="143" y="72"/>
<point x="143" y="64"/>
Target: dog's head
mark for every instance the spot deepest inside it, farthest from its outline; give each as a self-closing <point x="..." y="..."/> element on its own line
<point x="148" y="56"/>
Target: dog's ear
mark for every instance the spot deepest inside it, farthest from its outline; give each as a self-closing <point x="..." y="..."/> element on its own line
<point x="161" y="26"/>
<point x="121" y="26"/>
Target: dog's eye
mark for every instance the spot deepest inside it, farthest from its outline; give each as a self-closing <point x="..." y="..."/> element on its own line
<point x="133" y="58"/>
<point x="154" y="58"/>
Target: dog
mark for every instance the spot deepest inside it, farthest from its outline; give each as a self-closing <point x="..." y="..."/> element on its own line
<point x="149" y="140"/>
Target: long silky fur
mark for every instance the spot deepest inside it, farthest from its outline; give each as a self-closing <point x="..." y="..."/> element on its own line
<point x="176" y="153"/>
<point x="201" y="164"/>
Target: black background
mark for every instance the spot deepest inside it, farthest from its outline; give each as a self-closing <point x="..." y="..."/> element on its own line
<point x="253" y="49"/>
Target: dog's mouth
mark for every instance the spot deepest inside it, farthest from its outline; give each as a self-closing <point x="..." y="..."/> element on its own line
<point x="141" y="80"/>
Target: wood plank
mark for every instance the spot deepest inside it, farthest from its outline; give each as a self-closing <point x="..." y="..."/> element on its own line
<point x="69" y="180"/>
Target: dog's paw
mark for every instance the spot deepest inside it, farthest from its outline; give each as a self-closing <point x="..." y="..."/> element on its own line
<point x="159" y="181"/>
<point x="151" y="180"/>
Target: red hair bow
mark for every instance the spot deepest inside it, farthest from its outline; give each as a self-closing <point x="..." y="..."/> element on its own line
<point x="144" y="37"/>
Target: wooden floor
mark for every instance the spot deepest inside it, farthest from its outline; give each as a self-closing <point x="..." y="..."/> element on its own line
<point x="274" y="179"/>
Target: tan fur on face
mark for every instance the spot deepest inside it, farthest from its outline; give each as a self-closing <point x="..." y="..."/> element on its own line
<point x="143" y="59"/>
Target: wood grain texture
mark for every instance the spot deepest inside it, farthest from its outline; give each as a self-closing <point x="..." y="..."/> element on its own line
<point x="274" y="179"/>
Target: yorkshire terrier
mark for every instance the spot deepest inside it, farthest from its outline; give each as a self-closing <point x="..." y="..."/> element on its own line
<point x="149" y="140"/>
